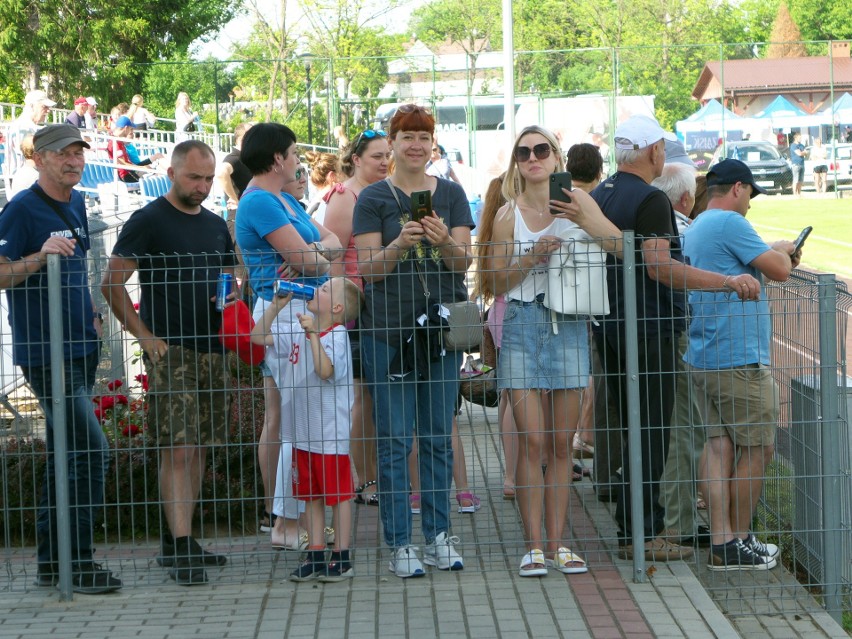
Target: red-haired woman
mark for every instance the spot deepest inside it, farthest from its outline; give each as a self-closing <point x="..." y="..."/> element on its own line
<point x="401" y="260"/>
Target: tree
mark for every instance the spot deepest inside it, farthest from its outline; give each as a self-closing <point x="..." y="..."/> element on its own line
<point x="785" y="40"/>
<point x="93" y="47"/>
<point x="472" y="24"/>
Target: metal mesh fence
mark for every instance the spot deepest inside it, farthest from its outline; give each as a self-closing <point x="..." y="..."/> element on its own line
<point x="462" y="481"/>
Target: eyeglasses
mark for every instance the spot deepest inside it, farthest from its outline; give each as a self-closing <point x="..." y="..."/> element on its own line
<point x="541" y="151"/>
<point x="300" y="172"/>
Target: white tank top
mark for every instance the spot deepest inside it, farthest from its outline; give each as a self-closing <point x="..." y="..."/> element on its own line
<point x="535" y="282"/>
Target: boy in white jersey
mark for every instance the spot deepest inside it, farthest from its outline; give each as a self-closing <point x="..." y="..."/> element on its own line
<point x="315" y="379"/>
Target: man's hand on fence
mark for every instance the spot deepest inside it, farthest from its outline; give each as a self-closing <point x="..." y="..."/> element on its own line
<point x="745" y="286"/>
<point x="58" y="245"/>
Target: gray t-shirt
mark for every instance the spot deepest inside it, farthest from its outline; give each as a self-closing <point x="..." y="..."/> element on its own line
<point x="393" y="304"/>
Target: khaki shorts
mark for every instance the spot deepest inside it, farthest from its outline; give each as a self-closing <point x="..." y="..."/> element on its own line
<point x="742" y="403"/>
<point x="188" y="398"/>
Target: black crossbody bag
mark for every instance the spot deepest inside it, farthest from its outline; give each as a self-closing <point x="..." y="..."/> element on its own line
<point x="47" y="200"/>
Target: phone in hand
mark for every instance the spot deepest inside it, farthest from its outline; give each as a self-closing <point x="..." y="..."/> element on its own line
<point x="559" y="181"/>
<point x="800" y="241"/>
<point x="421" y="205"/>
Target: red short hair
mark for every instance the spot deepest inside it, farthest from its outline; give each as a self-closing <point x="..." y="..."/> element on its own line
<point x="410" y="117"/>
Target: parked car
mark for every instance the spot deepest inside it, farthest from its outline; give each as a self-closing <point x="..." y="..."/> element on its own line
<point x="839" y="162"/>
<point x="770" y="169"/>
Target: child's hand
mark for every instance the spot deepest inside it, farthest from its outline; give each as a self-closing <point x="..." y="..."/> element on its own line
<point x="307" y="322"/>
<point x="280" y="302"/>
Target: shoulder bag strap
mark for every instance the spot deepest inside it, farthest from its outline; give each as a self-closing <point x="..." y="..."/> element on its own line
<point x="402" y="211"/>
<point x="49" y="201"/>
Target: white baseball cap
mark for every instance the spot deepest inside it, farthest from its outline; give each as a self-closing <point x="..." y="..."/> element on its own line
<point x="639" y="132"/>
<point x="90" y="100"/>
<point x="38" y="96"/>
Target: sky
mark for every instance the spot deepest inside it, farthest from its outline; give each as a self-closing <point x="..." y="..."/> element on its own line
<point x="238" y="29"/>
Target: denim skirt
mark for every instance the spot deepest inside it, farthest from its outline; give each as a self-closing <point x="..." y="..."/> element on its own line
<point x="533" y="355"/>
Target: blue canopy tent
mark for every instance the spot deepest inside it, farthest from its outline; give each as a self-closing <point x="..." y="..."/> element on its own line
<point x="702" y="130"/>
<point x="841" y="111"/>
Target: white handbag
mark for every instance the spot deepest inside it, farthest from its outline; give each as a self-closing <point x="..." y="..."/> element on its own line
<point x="576" y="277"/>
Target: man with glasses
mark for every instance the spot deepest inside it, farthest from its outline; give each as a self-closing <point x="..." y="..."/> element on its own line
<point x="631" y="203"/>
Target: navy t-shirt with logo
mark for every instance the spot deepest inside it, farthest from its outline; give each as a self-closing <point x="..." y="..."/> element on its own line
<point x="26" y="223"/>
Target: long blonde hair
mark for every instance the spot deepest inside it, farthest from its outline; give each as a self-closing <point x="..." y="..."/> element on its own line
<point x="515" y="184"/>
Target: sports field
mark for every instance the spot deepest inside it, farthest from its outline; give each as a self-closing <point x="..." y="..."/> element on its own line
<point x="829" y="248"/>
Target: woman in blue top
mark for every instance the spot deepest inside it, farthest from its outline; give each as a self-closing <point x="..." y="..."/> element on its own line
<point x="278" y="240"/>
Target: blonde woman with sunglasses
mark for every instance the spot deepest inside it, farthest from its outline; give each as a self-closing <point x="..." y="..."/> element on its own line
<point x="544" y="370"/>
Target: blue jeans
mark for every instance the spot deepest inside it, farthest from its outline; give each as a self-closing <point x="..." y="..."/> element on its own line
<point x="400" y="408"/>
<point x="88" y="459"/>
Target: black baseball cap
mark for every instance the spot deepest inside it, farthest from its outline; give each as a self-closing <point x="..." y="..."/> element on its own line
<point x="731" y="172"/>
<point x="56" y="137"/>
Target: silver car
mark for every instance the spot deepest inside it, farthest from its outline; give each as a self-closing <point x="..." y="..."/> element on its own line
<point x="838" y="158"/>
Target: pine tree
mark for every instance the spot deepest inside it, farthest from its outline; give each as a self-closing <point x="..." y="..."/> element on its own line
<point x="785" y="37"/>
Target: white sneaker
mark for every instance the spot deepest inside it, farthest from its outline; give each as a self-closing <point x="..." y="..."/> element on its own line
<point x="442" y="554"/>
<point x="405" y="563"/>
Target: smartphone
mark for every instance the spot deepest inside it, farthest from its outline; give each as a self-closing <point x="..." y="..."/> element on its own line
<point x="800" y="241"/>
<point x="421" y="205"/>
<point x="559" y="181"/>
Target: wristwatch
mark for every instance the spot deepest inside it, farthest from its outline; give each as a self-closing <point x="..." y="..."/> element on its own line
<point x="320" y="248"/>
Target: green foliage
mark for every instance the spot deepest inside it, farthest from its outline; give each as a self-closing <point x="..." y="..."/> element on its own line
<point x="231" y="490"/>
<point x="203" y="81"/>
<point x="93" y="48"/>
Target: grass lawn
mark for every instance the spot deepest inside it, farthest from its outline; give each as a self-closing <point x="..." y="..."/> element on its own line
<point x="829" y="247"/>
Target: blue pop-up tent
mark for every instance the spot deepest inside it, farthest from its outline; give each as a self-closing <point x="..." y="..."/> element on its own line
<point x="841" y="111"/>
<point x="780" y="107"/>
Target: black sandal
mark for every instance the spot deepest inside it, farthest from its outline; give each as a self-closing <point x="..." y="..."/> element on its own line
<point x="372" y="499"/>
<point x="267" y="522"/>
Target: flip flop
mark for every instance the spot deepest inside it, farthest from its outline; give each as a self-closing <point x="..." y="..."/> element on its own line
<point x="566" y="562"/>
<point x="528" y="562"/>
<point x="372" y="499"/>
<point x="300" y="544"/>
<point x="473" y="504"/>
<point x="509" y="493"/>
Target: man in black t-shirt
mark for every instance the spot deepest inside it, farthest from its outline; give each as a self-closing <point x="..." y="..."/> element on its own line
<point x="631" y="203"/>
<point x="179" y="249"/>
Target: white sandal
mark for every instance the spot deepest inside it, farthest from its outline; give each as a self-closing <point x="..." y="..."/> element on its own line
<point x="565" y="561"/>
<point x="532" y="558"/>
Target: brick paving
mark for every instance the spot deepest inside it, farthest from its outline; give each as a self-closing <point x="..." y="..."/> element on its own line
<point x="251" y="597"/>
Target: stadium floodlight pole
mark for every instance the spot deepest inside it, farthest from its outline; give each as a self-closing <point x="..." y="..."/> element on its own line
<point x="508" y="71"/>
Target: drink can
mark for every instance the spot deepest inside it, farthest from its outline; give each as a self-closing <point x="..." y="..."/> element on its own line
<point x="283" y="288"/>
<point x="223" y="290"/>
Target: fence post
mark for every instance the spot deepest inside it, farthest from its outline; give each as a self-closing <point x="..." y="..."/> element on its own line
<point x="634" y="418"/>
<point x="830" y="422"/>
<point x="60" y="440"/>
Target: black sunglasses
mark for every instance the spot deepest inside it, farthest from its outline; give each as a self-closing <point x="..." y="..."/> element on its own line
<point x="541" y="151"/>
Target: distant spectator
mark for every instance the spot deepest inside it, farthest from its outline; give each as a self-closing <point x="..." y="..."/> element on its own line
<point x="325" y="169"/>
<point x="440" y="166"/>
<point x="142" y="118"/>
<point x="27" y="172"/>
<point x="186" y="120"/>
<point x="232" y="175"/>
<point x="77" y="117"/>
<point x="797" y="159"/>
<point x="119" y="154"/>
<point x="585" y="163"/>
<point x="849" y="133"/>
<point x="91" y="113"/>
<point x="33" y="116"/>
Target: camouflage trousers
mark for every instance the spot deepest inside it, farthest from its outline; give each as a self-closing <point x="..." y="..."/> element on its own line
<point x="189" y="396"/>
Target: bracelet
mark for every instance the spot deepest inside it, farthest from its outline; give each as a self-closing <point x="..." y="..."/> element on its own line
<point x="725" y="281"/>
<point x="394" y="245"/>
